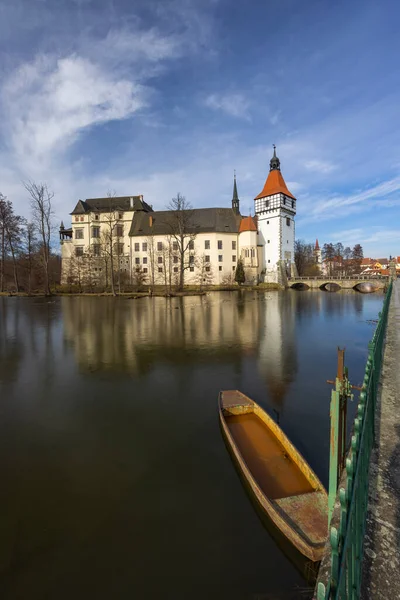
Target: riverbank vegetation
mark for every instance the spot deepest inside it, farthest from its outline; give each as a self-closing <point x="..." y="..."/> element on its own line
<point x="27" y="264"/>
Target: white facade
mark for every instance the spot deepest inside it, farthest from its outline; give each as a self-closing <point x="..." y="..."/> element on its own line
<point x="211" y="258"/>
<point x="265" y="243"/>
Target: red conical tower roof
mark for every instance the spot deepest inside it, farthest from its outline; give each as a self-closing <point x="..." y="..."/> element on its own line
<point x="316" y="245"/>
<point x="275" y="184"/>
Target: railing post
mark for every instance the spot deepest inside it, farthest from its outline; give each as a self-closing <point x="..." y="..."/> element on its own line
<point x="334" y="452"/>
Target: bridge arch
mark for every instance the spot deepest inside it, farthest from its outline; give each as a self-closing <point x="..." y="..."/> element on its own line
<point x="300" y="286"/>
<point x="330" y="286"/>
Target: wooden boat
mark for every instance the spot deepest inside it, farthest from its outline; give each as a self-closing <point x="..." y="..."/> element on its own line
<point x="281" y="481"/>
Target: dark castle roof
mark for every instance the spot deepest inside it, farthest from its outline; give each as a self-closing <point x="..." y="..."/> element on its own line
<point x="122" y="203"/>
<point x="201" y="220"/>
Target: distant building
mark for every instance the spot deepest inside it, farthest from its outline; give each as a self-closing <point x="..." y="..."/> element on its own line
<point x="143" y="239"/>
<point x="317" y="254"/>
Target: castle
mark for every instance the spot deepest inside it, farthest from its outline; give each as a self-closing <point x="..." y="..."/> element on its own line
<point x="125" y="235"/>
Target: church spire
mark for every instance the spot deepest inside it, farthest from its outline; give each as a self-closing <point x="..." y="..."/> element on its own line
<point x="235" y="197"/>
<point x="274" y="163"/>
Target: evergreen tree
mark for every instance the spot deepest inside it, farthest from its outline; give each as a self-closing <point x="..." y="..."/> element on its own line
<point x="240" y="277"/>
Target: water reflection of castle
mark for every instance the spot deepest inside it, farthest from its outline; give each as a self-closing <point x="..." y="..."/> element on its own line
<point x="131" y="336"/>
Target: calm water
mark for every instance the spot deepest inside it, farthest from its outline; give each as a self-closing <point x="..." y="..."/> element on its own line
<point x="115" y="481"/>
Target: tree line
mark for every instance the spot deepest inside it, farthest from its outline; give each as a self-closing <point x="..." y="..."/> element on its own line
<point x="27" y="263"/>
<point x="337" y="260"/>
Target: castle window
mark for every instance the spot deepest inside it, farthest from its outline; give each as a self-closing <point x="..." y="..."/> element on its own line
<point x="253" y="253"/>
<point x="207" y="258"/>
<point x="160" y="269"/>
<point x="220" y="268"/>
<point x="95" y="232"/>
<point x="288" y="221"/>
<point x="234" y="258"/>
<point x="219" y="257"/>
<point x="159" y="246"/>
<point x="292" y="203"/>
<point x="145" y="260"/>
<point x="175" y="259"/>
<point x="96" y="217"/>
<point x="219" y="244"/>
<point x="76" y="218"/>
<point x="267" y="222"/>
<point x="269" y="261"/>
<point x="82" y="218"/>
<point x="233" y="268"/>
<point x="96" y="250"/>
<point x="206" y="244"/>
<point x="145" y="270"/>
<point x="284" y="200"/>
<point x="268" y="241"/>
<point x="120" y="215"/>
<point x="266" y="203"/>
<point x="191" y="259"/>
<point x="191" y="269"/>
<point x="137" y="261"/>
<point x="175" y="269"/>
<point x="233" y="245"/>
<point x="144" y="247"/>
<point x="119" y="249"/>
<point x="119" y="231"/>
<point x="79" y="234"/>
<point x="79" y="251"/>
<point x="207" y="268"/>
<point x="191" y="245"/>
<point x="137" y="246"/>
<point x="175" y="246"/>
<point x="160" y="260"/>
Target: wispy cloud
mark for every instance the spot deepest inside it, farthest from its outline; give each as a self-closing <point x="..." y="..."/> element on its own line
<point x="48" y="102"/>
<point x="321" y="166"/>
<point x="234" y="105"/>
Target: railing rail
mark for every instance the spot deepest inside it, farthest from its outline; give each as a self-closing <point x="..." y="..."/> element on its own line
<point x="346" y="536"/>
<point x="339" y="278"/>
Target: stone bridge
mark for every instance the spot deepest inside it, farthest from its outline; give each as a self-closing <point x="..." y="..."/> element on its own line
<point x="362" y="283"/>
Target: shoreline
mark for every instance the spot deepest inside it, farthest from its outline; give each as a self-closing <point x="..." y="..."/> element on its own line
<point x="265" y="287"/>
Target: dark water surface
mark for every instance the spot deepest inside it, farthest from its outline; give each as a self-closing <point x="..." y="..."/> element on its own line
<point x="115" y="481"/>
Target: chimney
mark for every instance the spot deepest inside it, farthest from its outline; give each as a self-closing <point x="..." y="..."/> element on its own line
<point x="151" y="220"/>
<point x="131" y="202"/>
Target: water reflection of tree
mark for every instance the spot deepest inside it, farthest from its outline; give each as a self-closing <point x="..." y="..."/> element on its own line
<point x="11" y="347"/>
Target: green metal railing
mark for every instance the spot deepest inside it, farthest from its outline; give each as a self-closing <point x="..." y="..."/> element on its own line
<point x="347" y="535"/>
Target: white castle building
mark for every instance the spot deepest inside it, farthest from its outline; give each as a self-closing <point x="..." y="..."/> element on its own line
<point x="143" y="243"/>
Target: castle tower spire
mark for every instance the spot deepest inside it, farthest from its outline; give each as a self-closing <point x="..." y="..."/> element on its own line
<point x="274" y="163"/>
<point x="235" y="197"/>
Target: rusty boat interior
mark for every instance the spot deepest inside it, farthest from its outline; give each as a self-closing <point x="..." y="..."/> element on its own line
<point x="280" y="480"/>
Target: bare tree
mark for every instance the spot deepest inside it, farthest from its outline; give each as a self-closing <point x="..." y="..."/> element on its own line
<point x="151" y="254"/>
<point x="139" y="277"/>
<point x="108" y="240"/>
<point x="30" y="249"/>
<point x="204" y="275"/>
<point x="4" y="209"/>
<point x="180" y="223"/>
<point x="13" y="227"/>
<point x="42" y="213"/>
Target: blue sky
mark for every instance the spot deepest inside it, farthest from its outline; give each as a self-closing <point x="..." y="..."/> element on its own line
<point x="155" y="97"/>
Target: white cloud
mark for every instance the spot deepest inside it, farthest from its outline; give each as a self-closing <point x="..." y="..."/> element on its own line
<point x="321" y="166"/>
<point x="48" y="102"/>
<point x="235" y="105"/>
